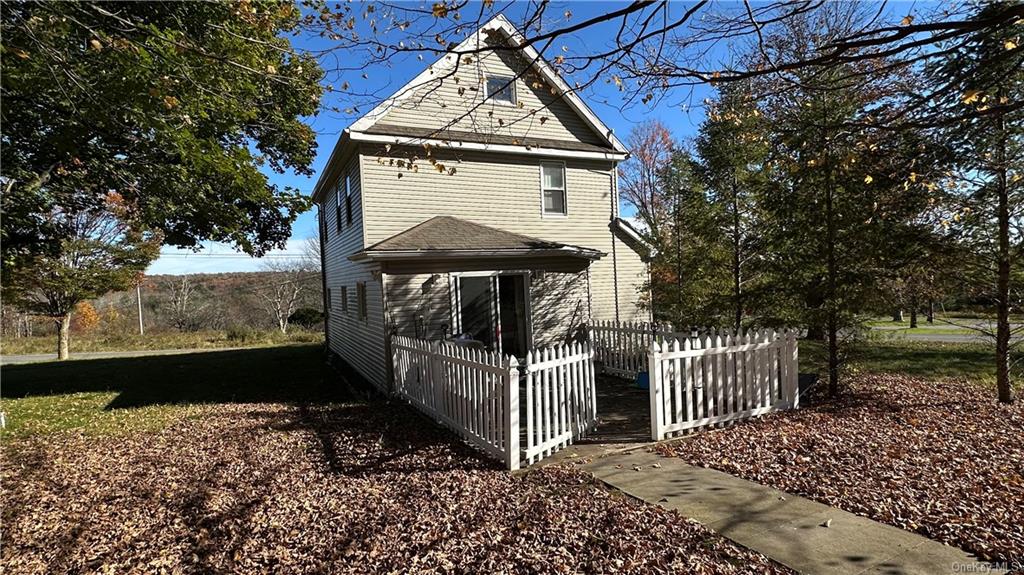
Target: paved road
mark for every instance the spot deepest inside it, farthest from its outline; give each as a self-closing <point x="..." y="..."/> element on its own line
<point x="40" y="357"/>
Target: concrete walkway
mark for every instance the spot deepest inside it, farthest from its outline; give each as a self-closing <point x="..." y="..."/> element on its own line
<point x="784" y="527"/>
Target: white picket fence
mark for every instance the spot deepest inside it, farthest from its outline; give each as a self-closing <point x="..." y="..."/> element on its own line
<point x="561" y="398"/>
<point x="475" y="393"/>
<point x="621" y="347"/>
<point x="710" y="380"/>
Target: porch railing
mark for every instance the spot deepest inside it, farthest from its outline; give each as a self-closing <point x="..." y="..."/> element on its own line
<point x="476" y="394"/>
<point x="473" y="392"/>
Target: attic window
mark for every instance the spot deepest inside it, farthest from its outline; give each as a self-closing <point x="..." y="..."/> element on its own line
<point x="501" y="89"/>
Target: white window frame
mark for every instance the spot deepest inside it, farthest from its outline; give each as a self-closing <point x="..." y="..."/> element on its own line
<point x="510" y="80"/>
<point x="565" y="190"/>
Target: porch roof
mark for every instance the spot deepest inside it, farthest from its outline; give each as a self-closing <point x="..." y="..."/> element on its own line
<point x="444" y="237"/>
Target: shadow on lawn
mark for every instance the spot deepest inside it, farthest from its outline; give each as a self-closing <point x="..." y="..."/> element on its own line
<point x="287" y="374"/>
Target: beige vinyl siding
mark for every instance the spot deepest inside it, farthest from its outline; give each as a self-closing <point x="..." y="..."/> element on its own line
<point x="419" y="305"/>
<point x="360" y="343"/>
<point x="559" y="307"/>
<point x="503" y="191"/>
<point x="456" y="101"/>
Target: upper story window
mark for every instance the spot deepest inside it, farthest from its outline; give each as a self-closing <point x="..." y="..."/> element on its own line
<point x="501" y="89"/>
<point x="337" y="205"/>
<point x="348" y="199"/>
<point x="552" y="182"/>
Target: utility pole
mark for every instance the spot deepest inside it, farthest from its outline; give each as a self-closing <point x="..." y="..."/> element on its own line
<point x="138" y="299"/>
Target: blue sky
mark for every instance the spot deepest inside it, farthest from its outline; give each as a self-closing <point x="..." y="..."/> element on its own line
<point x="681" y="111"/>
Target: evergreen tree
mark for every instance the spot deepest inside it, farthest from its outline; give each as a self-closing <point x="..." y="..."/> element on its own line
<point x="983" y="75"/>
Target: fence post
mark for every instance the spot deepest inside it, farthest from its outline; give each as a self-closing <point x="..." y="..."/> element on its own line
<point x="433" y="378"/>
<point x="511" y="411"/>
<point x="794" y="371"/>
<point x="654" y="385"/>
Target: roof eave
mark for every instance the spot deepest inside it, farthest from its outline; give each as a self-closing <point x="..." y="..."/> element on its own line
<point x="503" y="148"/>
<point x="394" y="255"/>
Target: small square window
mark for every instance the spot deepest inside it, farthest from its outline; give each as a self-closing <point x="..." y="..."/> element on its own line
<point x="501" y="89"/>
<point x="552" y="182"/>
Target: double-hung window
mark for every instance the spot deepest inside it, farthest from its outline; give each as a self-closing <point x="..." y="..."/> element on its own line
<point x="344" y="299"/>
<point x="361" y="300"/>
<point x="552" y="183"/>
<point x="337" y="205"/>
<point x="501" y="89"/>
<point x="348" y="199"/>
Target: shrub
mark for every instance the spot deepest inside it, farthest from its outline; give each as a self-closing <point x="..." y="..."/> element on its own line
<point x="242" y="333"/>
<point x="85" y="318"/>
<point x="307" y="317"/>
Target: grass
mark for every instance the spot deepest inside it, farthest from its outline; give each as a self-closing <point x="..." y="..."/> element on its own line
<point x="929" y="359"/>
<point x="123" y="395"/>
<point x="162" y="340"/>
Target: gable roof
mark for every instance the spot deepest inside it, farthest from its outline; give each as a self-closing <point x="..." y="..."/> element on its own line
<point x="447" y="62"/>
<point x="447" y="236"/>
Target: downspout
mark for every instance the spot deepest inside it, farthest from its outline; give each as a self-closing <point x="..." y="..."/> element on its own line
<point x="615" y="213"/>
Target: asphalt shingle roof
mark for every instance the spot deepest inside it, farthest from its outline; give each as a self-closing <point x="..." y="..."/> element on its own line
<point x="447" y="233"/>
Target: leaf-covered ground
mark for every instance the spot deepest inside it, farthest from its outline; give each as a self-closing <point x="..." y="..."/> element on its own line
<point x="942" y="459"/>
<point x="342" y="488"/>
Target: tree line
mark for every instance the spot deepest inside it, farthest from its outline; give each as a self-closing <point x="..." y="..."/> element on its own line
<point x="817" y="197"/>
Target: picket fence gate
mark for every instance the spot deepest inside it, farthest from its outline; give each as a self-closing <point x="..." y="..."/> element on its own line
<point x="714" y="379"/>
<point x="561" y="398"/>
<point x="476" y="394"/>
<point x="473" y="392"/>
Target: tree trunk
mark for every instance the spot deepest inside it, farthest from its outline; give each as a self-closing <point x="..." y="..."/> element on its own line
<point x="833" y="274"/>
<point x="63" y="332"/>
<point x="897" y="315"/>
<point x="931" y="311"/>
<point x="913" y="312"/>
<point x="1003" y="275"/>
<point x="736" y="272"/>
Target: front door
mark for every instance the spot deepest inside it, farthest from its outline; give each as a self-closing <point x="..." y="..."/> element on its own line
<point x="492" y="309"/>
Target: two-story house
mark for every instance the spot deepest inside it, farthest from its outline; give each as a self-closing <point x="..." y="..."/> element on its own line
<point x="478" y="202"/>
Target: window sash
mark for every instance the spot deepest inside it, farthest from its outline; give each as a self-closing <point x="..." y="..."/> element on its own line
<point x="498" y="91"/>
<point x="553" y="194"/>
<point x="337" y="206"/>
<point x="344" y="299"/>
<point x="348" y="199"/>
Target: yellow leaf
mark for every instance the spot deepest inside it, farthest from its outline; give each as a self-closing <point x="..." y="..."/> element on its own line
<point x="1009" y="45"/>
<point x="907" y="20"/>
<point x="868" y="179"/>
<point x="440" y="10"/>
<point x="971" y="96"/>
<point x="488" y="3"/>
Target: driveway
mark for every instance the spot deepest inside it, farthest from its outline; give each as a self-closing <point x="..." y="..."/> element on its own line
<point x="40" y="357"/>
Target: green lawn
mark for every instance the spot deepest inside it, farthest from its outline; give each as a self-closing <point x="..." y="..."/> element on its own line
<point x="104" y="396"/>
<point x="932" y="360"/>
<point x="212" y="339"/>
